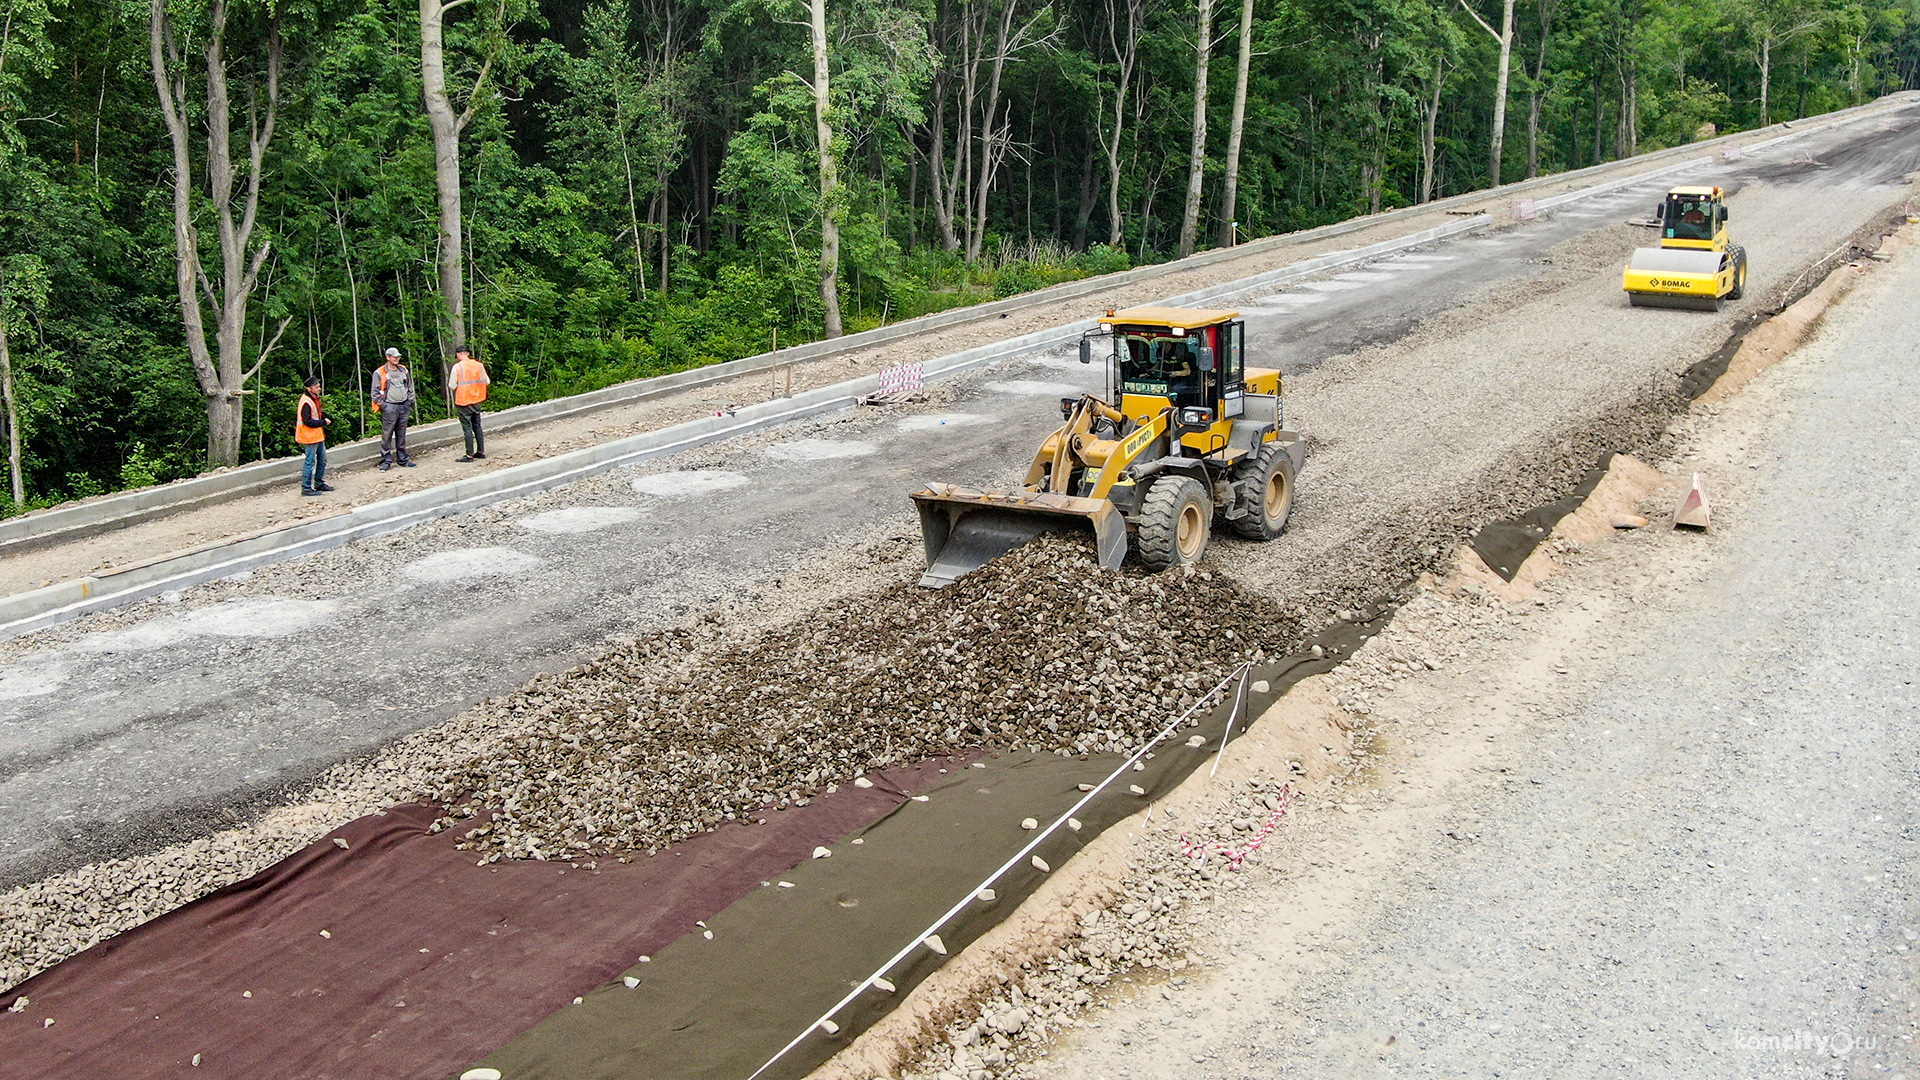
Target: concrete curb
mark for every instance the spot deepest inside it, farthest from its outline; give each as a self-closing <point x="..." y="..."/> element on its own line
<point x="77" y="520"/>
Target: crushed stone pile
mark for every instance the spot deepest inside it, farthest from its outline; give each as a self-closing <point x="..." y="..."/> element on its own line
<point x="660" y="739"/>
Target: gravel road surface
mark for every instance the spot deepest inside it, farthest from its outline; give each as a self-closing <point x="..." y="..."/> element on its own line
<point x="1659" y="824"/>
<point x="1457" y="388"/>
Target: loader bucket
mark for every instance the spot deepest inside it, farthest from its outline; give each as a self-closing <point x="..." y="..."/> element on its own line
<point x="1674" y="278"/>
<point x="965" y="529"/>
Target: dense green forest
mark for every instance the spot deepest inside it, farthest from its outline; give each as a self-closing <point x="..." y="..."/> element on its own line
<point x="201" y="201"/>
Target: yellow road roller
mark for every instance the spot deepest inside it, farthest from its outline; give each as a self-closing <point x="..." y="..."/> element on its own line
<point x="1185" y="436"/>
<point x="1695" y="266"/>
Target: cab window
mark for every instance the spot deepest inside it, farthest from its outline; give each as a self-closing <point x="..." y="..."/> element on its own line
<point x="1690" y="217"/>
<point x="1163" y="365"/>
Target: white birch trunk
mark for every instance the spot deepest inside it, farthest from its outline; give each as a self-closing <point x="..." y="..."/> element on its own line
<point x="829" y="177"/>
<point x="1197" y="153"/>
<point x="1230" y="185"/>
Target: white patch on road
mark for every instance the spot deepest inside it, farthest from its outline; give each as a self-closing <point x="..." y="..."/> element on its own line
<point x="819" y="450"/>
<point x="1331" y="286"/>
<point x="935" y="421"/>
<point x="465" y="564"/>
<point x="1034" y="388"/>
<point x="31" y="679"/>
<point x="1366" y="276"/>
<point x="1418" y="261"/>
<point x="579" y="519"/>
<point x="690" y="482"/>
<point x="262" y="617"/>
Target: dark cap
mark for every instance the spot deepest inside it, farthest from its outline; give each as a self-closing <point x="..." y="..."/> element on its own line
<point x="313" y="380"/>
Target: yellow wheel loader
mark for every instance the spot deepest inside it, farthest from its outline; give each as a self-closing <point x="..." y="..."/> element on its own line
<point x="1695" y="266"/>
<point x="1197" y="438"/>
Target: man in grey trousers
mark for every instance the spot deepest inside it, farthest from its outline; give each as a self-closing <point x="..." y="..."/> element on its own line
<point x="393" y="396"/>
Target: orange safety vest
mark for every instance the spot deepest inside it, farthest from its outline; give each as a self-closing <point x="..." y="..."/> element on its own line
<point x="469" y="383"/>
<point x="303" y="434"/>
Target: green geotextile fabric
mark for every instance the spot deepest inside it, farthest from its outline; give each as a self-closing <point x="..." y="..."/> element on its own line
<point x="720" y="1008"/>
<point x="779" y="958"/>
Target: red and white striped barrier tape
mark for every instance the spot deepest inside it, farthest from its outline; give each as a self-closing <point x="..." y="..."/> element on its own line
<point x="903" y="379"/>
<point x="1236" y="856"/>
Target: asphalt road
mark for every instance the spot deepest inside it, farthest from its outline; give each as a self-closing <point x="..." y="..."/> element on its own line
<point x="1695" y="859"/>
<point x="143" y="727"/>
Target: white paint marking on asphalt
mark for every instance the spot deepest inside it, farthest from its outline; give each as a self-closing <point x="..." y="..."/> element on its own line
<point x="819" y="450"/>
<point x="1330" y="286"/>
<point x="1034" y="388"/>
<point x="462" y="564"/>
<point x="935" y="421"/>
<point x="579" y="519"/>
<point x="689" y="482"/>
<point x="22" y="681"/>
<point x="259" y="617"/>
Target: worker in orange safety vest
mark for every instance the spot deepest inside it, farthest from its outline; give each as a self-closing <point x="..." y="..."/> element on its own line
<point x="467" y="385"/>
<point x="310" y="432"/>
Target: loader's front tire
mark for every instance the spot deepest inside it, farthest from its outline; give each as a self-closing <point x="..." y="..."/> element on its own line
<point x="1271" y="480"/>
<point x="1175" y="519"/>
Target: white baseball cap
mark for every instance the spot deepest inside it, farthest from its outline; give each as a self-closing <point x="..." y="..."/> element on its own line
<point x="391" y="351"/>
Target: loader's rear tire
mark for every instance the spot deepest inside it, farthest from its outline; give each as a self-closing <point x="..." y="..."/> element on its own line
<point x="1175" y="519"/>
<point x="1739" y="276"/>
<point x="1272" y="481"/>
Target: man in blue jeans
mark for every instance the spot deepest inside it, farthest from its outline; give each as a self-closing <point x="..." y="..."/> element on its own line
<point x="310" y="431"/>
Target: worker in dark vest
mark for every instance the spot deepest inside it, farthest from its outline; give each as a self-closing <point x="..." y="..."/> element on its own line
<point x="467" y="385"/>
<point x="393" y="400"/>
<point x="310" y="431"/>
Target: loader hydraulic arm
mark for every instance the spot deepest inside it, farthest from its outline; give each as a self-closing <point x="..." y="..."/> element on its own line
<point x="1075" y="444"/>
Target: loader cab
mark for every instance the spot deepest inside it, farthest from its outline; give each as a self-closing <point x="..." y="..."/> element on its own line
<point x="1694" y="217"/>
<point x="1193" y="360"/>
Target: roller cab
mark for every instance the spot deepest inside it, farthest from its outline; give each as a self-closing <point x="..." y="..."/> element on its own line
<point x="1187" y="436"/>
<point x="1695" y="266"/>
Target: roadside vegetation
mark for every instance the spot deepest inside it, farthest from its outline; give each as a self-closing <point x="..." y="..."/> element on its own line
<point x="203" y="201"/>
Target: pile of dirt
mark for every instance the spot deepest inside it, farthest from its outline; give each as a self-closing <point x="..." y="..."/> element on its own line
<point x="663" y="738"/>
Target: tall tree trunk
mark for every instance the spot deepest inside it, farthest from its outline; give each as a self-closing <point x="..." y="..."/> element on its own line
<point x="1230" y="185"/>
<point x="939" y="192"/>
<point x="1197" y="152"/>
<point x="218" y="367"/>
<point x="1766" y="78"/>
<point x="996" y="136"/>
<point x="1125" y="56"/>
<point x="446" y="126"/>
<point x="1429" y="129"/>
<point x="829" y="177"/>
<point x="1504" y="36"/>
<point x="13" y="409"/>
<point x="1084" y="217"/>
<point x="1534" y="83"/>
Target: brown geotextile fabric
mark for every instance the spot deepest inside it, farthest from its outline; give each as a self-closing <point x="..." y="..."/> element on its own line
<point x="397" y="956"/>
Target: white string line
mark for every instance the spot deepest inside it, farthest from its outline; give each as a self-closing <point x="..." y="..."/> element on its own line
<point x="1239" y="700"/>
<point x="865" y="984"/>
